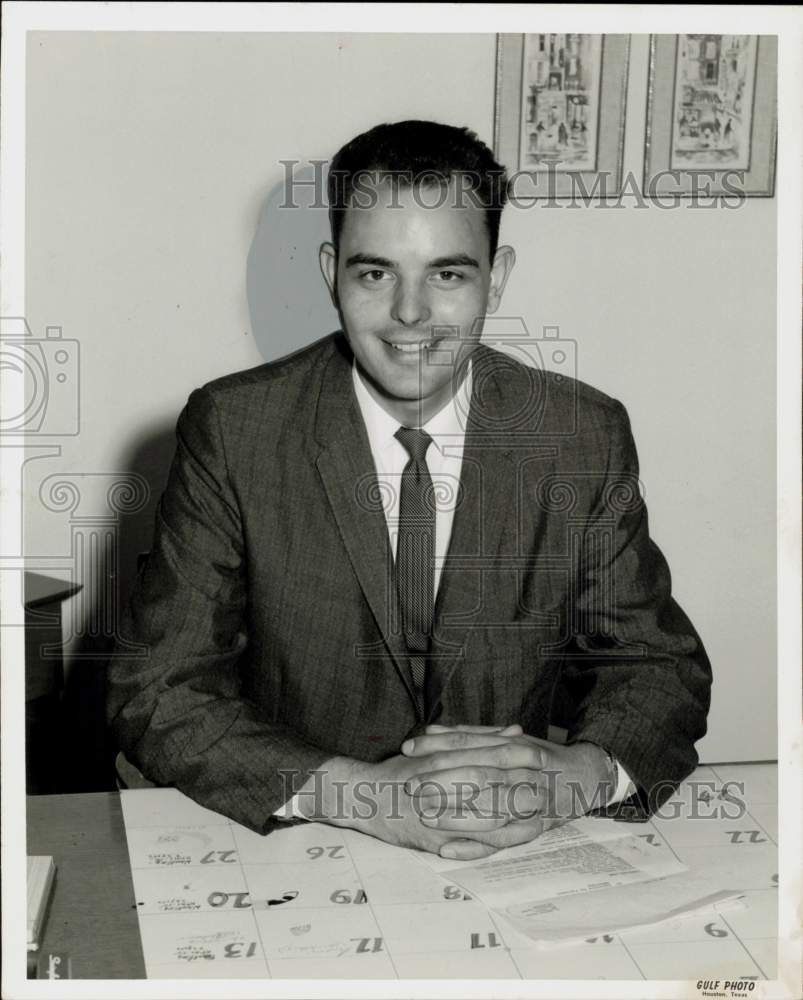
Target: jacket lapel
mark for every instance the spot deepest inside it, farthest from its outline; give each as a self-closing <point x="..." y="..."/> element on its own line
<point x="347" y="470"/>
<point x="488" y="481"/>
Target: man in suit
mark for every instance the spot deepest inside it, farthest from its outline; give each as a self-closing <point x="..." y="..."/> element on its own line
<point x="378" y="561"/>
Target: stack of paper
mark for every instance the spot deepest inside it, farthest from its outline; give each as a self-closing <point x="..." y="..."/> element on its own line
<point x="543" y="888"/>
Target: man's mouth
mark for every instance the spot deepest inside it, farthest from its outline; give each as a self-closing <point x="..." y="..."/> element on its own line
<point x="411" y="347"/>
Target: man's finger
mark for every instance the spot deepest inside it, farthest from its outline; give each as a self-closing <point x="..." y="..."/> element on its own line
<point x="514" y="794"/>
<point x="523" y="797"/>
<point x="510" y="835"/>
<point x="546" y="744"/>
<point x="444" y="752"/>
<point x="466" y="850"/>
<point x="465" y="821"/>
<point x="480" y="795"/>
<point x="452" y="739"/>
<point x="511" y="730"/>
<point x="465" y="783"/>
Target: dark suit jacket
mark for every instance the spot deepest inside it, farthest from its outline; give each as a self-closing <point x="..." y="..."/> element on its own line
<point x="266" y="619"/>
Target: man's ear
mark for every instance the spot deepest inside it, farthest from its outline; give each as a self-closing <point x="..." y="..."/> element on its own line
<point x="504" y="259"/>
<point x="327" y="258"/>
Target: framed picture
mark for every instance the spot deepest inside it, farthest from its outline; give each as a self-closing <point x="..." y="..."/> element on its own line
<point x="560" y="112"/>
<point x="711" y="115"/>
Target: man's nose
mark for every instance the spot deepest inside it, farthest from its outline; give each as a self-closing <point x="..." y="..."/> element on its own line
<point x="410" y="306"/>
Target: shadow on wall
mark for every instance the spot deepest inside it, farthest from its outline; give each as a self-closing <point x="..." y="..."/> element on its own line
<point x="105" y="549"/>
<point x="290" y="308"/>
<point x="288" y="301"/>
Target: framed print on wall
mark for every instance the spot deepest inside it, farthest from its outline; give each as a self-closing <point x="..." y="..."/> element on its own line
<point x="711" y="115"/>
<point x="560" y="112"/>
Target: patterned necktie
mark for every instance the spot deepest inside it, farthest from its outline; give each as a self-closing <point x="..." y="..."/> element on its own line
<point x="415" y="554"/>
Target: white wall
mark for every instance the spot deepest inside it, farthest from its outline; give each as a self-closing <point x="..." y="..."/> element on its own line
<point x="149" y="158"/>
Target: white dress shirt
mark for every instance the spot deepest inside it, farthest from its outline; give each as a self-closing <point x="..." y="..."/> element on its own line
<point x="444" y="460"/>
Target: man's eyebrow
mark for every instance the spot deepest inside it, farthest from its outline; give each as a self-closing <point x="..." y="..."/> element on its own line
<point x="455" y="260"/>
<point x="452" y="260"/>
<point x="367" y="258"/>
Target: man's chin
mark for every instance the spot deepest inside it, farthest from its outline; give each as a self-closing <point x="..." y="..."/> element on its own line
<point x="402" y="395"/>
<point x="414" y="388"/>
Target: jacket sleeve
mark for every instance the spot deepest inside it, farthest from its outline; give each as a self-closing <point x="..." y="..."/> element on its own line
<point x="640" y="676"/>
<point x="173" y="682"/>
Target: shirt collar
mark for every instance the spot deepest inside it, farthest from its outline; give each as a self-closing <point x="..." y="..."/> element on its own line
<point x="448" y="423"/>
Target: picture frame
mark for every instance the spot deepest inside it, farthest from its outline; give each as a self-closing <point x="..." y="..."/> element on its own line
<point x="712" y="109"/>
<point x="559" y="113"/>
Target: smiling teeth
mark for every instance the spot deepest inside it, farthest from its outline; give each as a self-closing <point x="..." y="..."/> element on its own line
<point x="411" y="348"/>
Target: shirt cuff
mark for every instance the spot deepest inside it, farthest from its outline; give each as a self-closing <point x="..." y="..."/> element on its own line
<point x="624" y="786"/>
<point x="290" y="810"/>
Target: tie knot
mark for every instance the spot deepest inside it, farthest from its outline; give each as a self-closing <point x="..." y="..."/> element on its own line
<point x="415" y="441"/>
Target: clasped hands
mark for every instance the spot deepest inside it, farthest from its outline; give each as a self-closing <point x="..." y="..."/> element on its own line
<point x="469" y="791"/>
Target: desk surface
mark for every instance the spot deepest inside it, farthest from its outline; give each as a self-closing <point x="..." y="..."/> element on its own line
<point x="92" y="914"/>
<point x="95" y="915"/>
<point x="41" y="590"/>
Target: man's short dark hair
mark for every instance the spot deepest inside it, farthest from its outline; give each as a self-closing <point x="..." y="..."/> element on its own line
<point x="419" y="153"/>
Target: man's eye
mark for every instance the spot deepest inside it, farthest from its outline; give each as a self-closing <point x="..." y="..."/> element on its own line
<point x="373" y="276"/>
<point x="451" y="277"/>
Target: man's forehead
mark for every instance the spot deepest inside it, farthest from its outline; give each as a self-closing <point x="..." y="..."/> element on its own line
<point x="426" y="188"/>
<point x="425" y="207"/>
